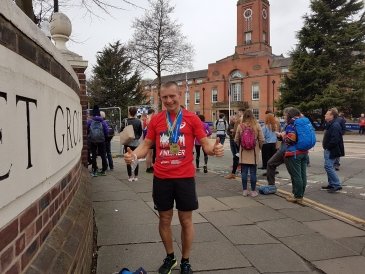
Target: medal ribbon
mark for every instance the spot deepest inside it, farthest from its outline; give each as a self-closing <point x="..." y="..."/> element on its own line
<point x="173" y="129"/>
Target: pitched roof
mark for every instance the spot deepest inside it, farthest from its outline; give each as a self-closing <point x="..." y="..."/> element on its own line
<point x="281" y="61"/>
<point x="182" y="76"/>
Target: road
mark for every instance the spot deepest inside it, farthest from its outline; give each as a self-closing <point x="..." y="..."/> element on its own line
<point x="351" y="199"/>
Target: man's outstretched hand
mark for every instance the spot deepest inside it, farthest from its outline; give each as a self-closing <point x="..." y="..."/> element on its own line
<point x="218" y="149"/>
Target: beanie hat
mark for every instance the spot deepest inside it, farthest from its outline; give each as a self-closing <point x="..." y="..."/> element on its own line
<point x="96" y="111"/>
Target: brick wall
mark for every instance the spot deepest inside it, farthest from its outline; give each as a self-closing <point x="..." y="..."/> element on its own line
<point x="56" y="229"/>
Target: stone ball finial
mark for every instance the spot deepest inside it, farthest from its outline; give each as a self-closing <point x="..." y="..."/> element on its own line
<point x="60" y="28"/>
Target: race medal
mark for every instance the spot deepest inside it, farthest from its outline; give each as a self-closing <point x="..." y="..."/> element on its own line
<point x="174" y="148"/>
<point x="173" y="132"/>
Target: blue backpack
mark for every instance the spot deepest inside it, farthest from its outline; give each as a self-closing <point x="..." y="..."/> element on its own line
<point x="306" y="136"/>
<point x="96" y="133"/>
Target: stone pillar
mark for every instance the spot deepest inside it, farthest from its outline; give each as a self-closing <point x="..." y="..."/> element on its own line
<point x="61" y="29"/>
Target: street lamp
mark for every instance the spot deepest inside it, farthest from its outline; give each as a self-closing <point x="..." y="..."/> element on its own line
<point x="273" y="90"/>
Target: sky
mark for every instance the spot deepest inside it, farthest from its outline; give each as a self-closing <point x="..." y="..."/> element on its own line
<point x="209" y="25"/>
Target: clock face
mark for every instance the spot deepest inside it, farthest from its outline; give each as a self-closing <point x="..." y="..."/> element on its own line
<point x="248" y="13"/>
<point x="264" y="13"/>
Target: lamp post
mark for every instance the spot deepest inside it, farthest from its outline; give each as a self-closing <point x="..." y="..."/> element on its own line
<point x="273" y="90"/>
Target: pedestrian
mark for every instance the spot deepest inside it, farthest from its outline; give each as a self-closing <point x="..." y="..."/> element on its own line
<point x="362" y="124"/>
<point x="173" y="131"/>
<point x="97" y="130"/>
<point x="250" y="139"/>
<point x="108" y="141"/>
<point x="234" y="148"/>
<point x="333" y="147"/>
<point x="342" y="121"/>
<point x="151" y="155"/>
<point x="221" y="126"/>
<point x="296" y="158"/>
<point x="137" y="128"/>
<point x="269" y="130"/>
<point x="198" y="146"/>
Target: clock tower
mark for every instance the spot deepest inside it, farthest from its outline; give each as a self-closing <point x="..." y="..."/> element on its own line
<point x="253" y="27"/>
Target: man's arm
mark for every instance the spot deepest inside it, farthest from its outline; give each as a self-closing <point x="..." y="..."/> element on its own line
<point x="210" y="148"/>
<point x="140" y="152"/>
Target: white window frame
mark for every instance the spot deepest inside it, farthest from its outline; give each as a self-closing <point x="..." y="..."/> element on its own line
<point x="197" y="97"/>
<point x="256" y="113"/>
<point x="255" y="93"/>
<point x="199" y="81"/>
<point x="190" y="82"/>
<point x="236" y="92"/>
<point x="214" y="95"/>
<point x="248" y="34"/>
<point x="179" y="83"/>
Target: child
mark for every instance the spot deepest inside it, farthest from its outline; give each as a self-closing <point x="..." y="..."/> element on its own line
<point x="198" y="146"/>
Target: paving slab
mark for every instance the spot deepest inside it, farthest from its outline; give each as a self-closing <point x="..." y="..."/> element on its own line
<point x="114" y="196"/>
<point x="304" y="214"/>
<point x="273" y="257"/>
<point x="117" y="213"/>
<point x="279" y="203"/>
<point x="355" y="265"/>
<point x="146" y="196"/>
<point x="315" y="247"/>
<point x="208" y="203"/>
<point x="225" y="218"/>
<point x="246" y="234"/>
<point x="108" y="185"/>
<point x="140" y="186"/>
<point x="216" y="256"/>
<point x="204" y="232"/>
<point x="356" y="243"/>
<point x="128" y="234"/>
<point x="335" y="229"/>
<point x="260" y="213"/>
<point x="197" y="217"/>
<point x="239" y="201"/>
<point x="112" y="259"/>
<point x="247" y="270"/>
<point x="284" y="228"/>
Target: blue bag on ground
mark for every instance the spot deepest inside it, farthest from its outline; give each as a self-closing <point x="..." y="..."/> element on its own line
<point x="306" y="135"/>
<point x="268" y="189"/>
<point x="138" y="271"/>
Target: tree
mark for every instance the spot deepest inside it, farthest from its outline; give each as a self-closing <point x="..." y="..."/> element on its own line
<point x="328" y="62"/>
<point x="40" y="10"/>
<point x="158" y="43"/>
<point x="115" y="83"/>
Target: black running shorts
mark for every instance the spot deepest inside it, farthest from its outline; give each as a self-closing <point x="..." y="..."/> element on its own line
<point x="181" y="190"/>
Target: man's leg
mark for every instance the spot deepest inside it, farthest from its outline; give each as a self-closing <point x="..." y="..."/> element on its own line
<point x="187" y="232"/>
<point x="276" y="160"/>
<point x="165" y="230"/>
<point x="333" y="180"/>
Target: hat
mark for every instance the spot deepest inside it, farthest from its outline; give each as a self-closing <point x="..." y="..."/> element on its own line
<point x="96" y="111"/>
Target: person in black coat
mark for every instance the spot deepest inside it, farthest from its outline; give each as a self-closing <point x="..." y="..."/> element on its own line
<point x="333" y="147"/>
<point x="342" y="121"/>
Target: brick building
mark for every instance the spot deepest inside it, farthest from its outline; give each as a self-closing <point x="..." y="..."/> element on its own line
<point x="252" y="73"/>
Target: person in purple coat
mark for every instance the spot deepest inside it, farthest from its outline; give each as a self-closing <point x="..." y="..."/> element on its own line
<point x="97" y="130"/>
<point x="198" y="145"/>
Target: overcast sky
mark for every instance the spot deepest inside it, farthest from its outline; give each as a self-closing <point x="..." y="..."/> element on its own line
<point x="210" y="25"/>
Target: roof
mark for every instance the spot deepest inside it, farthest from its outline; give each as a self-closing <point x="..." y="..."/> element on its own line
<point x="280" y="61"/>
<point x="182" y="76"/>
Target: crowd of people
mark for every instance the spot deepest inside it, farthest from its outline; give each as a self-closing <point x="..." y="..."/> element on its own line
<point x="167" y="141"/>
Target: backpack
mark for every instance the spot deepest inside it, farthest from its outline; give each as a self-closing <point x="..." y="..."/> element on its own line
<point x="96" y="133"/>
<point x="248" y="138"/>
<point x="220" y="125"/>
<point x="305" y="134"/>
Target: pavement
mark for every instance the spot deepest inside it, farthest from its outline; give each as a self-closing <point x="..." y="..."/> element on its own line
<point x="234" y="234"/>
